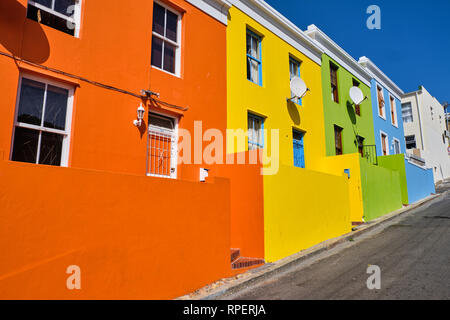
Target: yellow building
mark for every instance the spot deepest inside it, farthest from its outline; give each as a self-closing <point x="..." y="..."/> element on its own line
<point x="303" y="205"/>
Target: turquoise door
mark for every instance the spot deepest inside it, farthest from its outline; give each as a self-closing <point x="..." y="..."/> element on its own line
<point x="299" y="151"/>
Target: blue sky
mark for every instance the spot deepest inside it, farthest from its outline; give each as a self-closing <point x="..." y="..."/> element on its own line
<point x="412" y="47"/>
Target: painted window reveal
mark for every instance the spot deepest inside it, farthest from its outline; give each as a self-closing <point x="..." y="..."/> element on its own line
<point x="255" y="132"/>
<point x="338" y="140"/>
<point x="62" y="15"/>
<point x="334" y="82"/>
<point x="299" y="150"/>
<point x="161" y="146"/>
<point x="393" y="111"/>
<point x="381" y="104"/>
<point x="357" y="107"/>
<point x="254" y="62"/>
<point x="294" y="71"/>
<point x="407" y="114"/>
<point x="42" y="126"/>
<point x="166" y="39"/>
<point x="410" y="142"/>
<point x="384" y="144"/>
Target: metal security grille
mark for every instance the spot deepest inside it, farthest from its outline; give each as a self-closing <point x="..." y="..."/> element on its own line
<point x="161" y="147"/>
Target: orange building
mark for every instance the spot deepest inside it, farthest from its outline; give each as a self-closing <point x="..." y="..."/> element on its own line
<point x="84" y="181"/>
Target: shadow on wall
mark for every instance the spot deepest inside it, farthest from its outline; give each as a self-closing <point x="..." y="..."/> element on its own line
<point x="14" y="26"/>
<point x="293" y="112"/>
<point x="351" y="112"/>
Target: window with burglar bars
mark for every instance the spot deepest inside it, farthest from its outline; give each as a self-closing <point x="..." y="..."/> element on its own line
<point x="162" y="143"/>
<point x="334" y="82"/>
<point x="42" y="123"/>
<point x="407" y="112"/>
<point x="294" y="71"/>
<point x="255" y="132"/>
<point x="254" y="71"/>
<point x="62" y="15"/>
<point x="166" y="39"/>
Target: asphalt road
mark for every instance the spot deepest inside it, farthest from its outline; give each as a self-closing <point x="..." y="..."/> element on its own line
<point x="413" y="254"/>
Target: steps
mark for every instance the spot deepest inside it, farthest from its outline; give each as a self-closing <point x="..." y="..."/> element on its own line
<point x="238" y="262"/>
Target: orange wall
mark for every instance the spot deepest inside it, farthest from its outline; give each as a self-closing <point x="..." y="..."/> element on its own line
<point x="247" y="206"/>
<point x="114" y="48"/>
<point x="127" y="234"/>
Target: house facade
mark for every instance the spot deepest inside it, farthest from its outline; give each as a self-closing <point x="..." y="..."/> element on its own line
<point x="389" y="134"/>
<point x="425" y="126"/>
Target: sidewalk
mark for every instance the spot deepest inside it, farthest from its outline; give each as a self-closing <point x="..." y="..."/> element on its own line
<point x="225" y="287"/>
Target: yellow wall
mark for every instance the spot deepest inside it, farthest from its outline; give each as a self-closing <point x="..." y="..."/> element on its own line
<point x="336" y="165"/>
<point x="302" y="207"/>
<point x="270" y="99"/>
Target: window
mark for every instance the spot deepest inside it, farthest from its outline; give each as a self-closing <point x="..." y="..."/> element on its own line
<point x="254" y="70"/>
<point x="338" y="140"/>
<point x="299" y="150"/>
<point x="357" y="106"/>
<point x="162" y="147"/>
<point x="42" y="126"/>
<point x="360" y="142"/>
<point x="294" y="71"/>
<point x="166" y="39"/>
<point x="255" y="132"/>
<point x="334" y="82"/>
<point x="407" y="112"/>
<point x="62" y="15"/>
<point x="410" y="142"/>
<point x="381" y="107"/>
<point x="397" y="149"/>
<point x="393" y="111"/>
<point x="384" y="144"/>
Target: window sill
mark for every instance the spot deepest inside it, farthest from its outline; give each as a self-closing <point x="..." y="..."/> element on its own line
<point x="167" y="72"/>
<point x="256" y="84"/>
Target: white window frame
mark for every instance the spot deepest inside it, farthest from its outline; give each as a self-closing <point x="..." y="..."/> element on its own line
<point x="174" y="157"/>
<point x="394" y="140"/>
<point x="75" y="18"/>
<point x="164" y="39"/>
<point x="387" y="143"/>
<point x="412" y="116"/>
<point x="394" y="108"/>
<point x="68" y="125"/>
<point x="383" y="116"/>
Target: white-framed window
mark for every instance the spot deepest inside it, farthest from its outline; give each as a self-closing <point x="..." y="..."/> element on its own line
<point x="255" y="132"/>
<point x="396" y="145"/>
<point x="384" y="143"/>
<point x="162" y="146"/>
<point x="393" y="111"/>
<point x="410" y="142"/>
<point x="166" y="39"/>
<point x="62" y="15"/>
<point x="381" y="103"/>
<point x="407" y="114"/>
<point x="42" y="123"/>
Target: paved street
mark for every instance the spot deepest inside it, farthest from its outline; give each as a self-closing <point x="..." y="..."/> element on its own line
<point x="413" y="254"/>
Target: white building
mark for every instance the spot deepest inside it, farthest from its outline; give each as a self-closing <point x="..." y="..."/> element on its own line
<point x="425" y="131"/>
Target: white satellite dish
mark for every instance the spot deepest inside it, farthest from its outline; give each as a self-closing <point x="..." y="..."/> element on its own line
<point x="298" y="87"/>
<point x="356" y="95"/>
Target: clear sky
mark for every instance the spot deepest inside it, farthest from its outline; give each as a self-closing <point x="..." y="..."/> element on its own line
<point x="412" y="48"/>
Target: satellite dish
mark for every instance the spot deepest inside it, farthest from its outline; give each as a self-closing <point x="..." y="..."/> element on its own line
<point x="356" y="95"/>
<point x="298" y="87"/>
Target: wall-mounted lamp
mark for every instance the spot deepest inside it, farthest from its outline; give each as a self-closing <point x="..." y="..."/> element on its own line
<point x="140" y="116"/>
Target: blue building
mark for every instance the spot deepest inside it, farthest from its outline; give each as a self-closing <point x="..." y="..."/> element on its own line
<point x="389" y="133"/>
